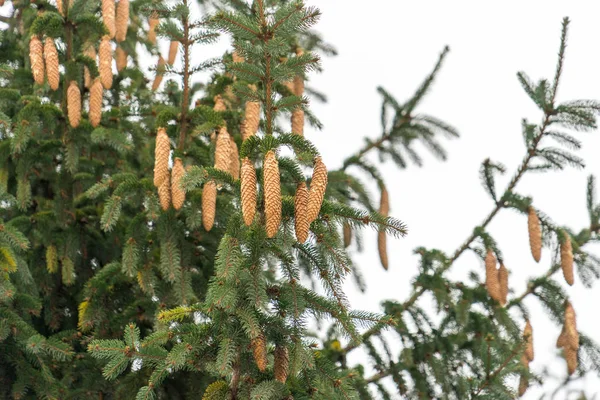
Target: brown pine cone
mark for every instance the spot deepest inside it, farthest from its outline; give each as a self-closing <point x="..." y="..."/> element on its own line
<point x="95" y="113"/>
<point x="234" y="163"/>
<point x="106" y="58"/>
<point x="572" y="335"/>
<point x="121" y="58"/>
<point x="177" y="193"/>
<point x="219" y="103"/>
<point x="301" y="222"/>
<point x="272" y="189"/>
<point x="108" y="16"/>
<point x="571" y="358"/>
<point x="209" y="205"/>
<point x="347" y="234"/>
<point x="259" y="350"/>
<point x="535" y="234"/>
<point x="566" y="259"/>
<point x="164" y="194"/>
<point x="528" y="336"/>
<point x="282" y="362"/>
<point x="51" y="56"/>
<point x="173" y="47"/>
<point x="74" y="104"/>
<point x="248" y="191"/>
<point x="153" y="22"/>
<point x="298" y="121"/>
<point x="491" y="276"/>
<point x="162" y="153"/>
<point x="503" y="281"/>
<point x="87" y="77"/>
<point x="223" y="150"/>
<point x="122" y="20"/>
<point x="318" y="185"/>
<point x="36" y="57"/>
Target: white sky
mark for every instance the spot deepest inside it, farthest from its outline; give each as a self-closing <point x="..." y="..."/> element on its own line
<point x="395" y="44"/>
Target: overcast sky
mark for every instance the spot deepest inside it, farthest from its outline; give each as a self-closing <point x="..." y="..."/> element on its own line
<point x="395" y="44"/>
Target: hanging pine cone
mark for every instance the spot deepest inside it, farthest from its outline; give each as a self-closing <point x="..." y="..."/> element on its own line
<point x="347" y="234"/>
<point x="301" y="222"/>
<point x="571" y="358"/>
<point x="121" y="58"/>
<point x="106" y="58"/>
<point x="234" y="162"/>
<point x="87" y="78"/>
<point x="259" y="350"/>
<point x="503" y="281"/>
<point x="528" y="336"/>
<point x="36" y="57"/>
<point x="272" y="187"/>
<point x="535" y="234"/>
<point x="160" y="71"/>
<point x="177" y="193"/>
<point x="298" y="121"/>
<point x="223" y="150"/>
<point x="209" y="205"/>
<point x="95" y="113"/>
<point x="51" y="56"/>
<point x="162" y="152"/>
<point x="282" y="362"/>
<point x="384" y="209"/>
<point x="523" y="385"/>
<point x="219" y="103"/>
<point x="108" y="16"/>
<point x="251" y="117"/>
<point x="164" y="193"/>
<point x="59" y="7"/>
<point x="562" y="338"/>
<point x="153" y="22"/>
<point x="173" y="47"/>
<point x="572" y="335"/>
<point x="74" y="104"/>
<point x="248" y="191"/>
<point x="318" y="185"/>
<point x="491" y="276"/>
<point x="566" y="259"/>
<point x="122" y="20"/>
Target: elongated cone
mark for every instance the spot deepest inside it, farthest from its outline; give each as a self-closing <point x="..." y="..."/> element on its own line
<point x="36" y="57"/>
<point x="108" y="16"/>
<point x="74" y="104"/>
<point x="318" y="185"/>
<point x="223" y="150"/>
<point x="164" y="194"/>
<point x="572" y="335"/>
<point x="259" y="350"/>
<point x="59" y="7"/>
<point x="160" y="71"/>
<point x="95" y="113"/>
<point x="87" y="78"/>
<point x="122" y="20"/>
<point x="384" y="209"/>
<point x="528" y="335"/>
<point x="234" y="162"/>
<point x="248" y="191"/>
<point x="51" y="56"/>
<point x="173" y="47"/>
<point x="219" y="104"/>
<point x="121" y="58"/>
<point x="503" y="281"/>
<point x="282" y="362"/>
<point x="491" y="276"/>
<point x="523" y="385"/>
<point x="106" y="58"/>
<point x="209" y="205"/>
<point x="153" y="22"/>
<point x="566" y="259"/>
<point x="535" y="234"/>
<point x="347" y="234"/>
<point x="301" y="222"/>
<point x="177" y="193"/>
<point x="571" y="358"/>
<point x="251" y="117"/>
<point x="272" y="187"/>
<point x="162" y="152"/>
<point x="562" y="339"/>
<point x="298" y="121"/>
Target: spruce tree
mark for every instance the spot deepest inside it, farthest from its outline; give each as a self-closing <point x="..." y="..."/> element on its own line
<point x="170" y="238"/>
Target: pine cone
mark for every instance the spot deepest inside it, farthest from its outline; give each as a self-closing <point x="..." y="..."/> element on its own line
<point x="95" y="113"/>
<point x="106" y="58"/>
<point x="571" y="358"/>
<point x="347" y="234"/>
<point x="59" y="7"/>
<point x="234" y="162"/>
<point x="160" y="71"/>
<point x="299" y="86"/>
<point x="74" y="104"/>
<point x="153" y="22"/>
<point x="122" y="20"/>
<point x="164" y="193"/>
<point x="259" y="350"/>
<point x="503" y="281"/>
<point x="177" y="193"/>
<point x="282" y="362"/>
<point x="562" y="339"/>
<point x="108" y="16"/>
<point x="87" y="78"/>
<point x="173" y="47"/>
<point x="251" y="117"/>
<point x="528" y="336"/>
<point x="162" y="152"/>
<point x="237" y="58"/>
<point x="382" y="248"/>
<point x="298" y="121"/>
<point x="272" y="189"/>
<point x="51" y="56"/>
<point x="248" y="190"/>
<point x="523" y="385"/>
<point x="219" y="103"/>
<point x="535" y="234"/>
<point x="209" y="205"/>
<point x="121" y="57"/>
<point x="36" y="57"/>
<point x="223" y="150"/>
<point x="318" y="185"/>
<point x="566" y="259"/>
<point x="491" y="276"/>
<point x="572" y="335"/>
<point x="301" y="222"/>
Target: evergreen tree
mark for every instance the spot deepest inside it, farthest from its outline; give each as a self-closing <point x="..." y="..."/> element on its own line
<point x="156" y="239"/>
